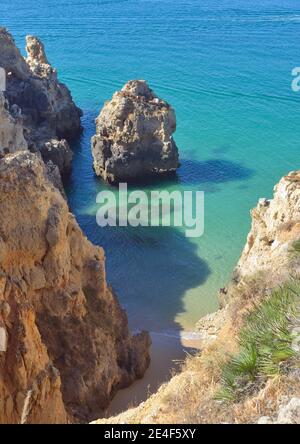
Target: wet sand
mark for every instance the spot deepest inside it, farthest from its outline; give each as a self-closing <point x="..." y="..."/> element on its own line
<point x="167" y="353"/>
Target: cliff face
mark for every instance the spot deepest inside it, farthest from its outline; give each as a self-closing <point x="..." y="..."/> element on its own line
<point x="38" y="102"/>
<point x="275" y="227"/>
<point x="65" y="347"/>
<point x="270" y="258"/>
<point x="134" y="135"/>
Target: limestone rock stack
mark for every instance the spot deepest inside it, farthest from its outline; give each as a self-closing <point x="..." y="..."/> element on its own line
<point x="40" y="104"/>
<point x="65" y="347"/>
<point x="134" y="136"/>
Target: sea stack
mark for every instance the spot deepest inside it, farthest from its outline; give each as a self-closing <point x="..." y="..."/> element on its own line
<point x="40" y="108"/>
<point x="134" y="136"/>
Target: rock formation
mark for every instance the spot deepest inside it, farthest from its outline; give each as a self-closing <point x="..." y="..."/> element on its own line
<point x="37" y="102"/>
<point x="288" y="413"/>
<point x="65" y="347"/>
<point x="11" y="130"/>
<point x="270" y="258"/>
<point x="134" y="136"/>
<point x="275" y="228"/>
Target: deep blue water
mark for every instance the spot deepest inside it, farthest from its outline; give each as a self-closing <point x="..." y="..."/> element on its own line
<point x="225" y="66"/>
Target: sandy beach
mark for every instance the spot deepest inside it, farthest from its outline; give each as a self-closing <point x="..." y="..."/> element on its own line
<point x="167" y="354"/>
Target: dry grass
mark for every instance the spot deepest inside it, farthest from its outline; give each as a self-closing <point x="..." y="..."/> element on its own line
<point x="189" y="396"/>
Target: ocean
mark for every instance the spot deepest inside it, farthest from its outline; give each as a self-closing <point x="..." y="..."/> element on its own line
<point x="225" y="66"/>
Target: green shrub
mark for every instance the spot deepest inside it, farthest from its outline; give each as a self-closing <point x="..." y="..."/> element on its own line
<point x="265" y="343"/>
<point x="296" y="246"/>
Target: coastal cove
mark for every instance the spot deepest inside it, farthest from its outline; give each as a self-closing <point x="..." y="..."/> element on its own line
<point x="237" y="134"/>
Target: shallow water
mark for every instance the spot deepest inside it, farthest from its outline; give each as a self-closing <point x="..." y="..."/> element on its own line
<point x="225" y="66"/>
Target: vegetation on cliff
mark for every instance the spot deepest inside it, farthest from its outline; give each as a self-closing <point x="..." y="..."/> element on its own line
<point x="266" y="344"/>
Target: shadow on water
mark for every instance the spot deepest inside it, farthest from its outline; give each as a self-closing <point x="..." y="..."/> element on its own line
<point x="221" y="150"/>
<point x="208" y="174"/>
<point x="150" y="269"/>
<point x="212" y="171"/>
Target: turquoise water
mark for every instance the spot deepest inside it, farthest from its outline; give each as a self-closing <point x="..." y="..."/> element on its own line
<point x="225" y="66"/>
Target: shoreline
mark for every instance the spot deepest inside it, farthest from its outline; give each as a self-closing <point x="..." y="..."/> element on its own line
<point x="167" y="352"/>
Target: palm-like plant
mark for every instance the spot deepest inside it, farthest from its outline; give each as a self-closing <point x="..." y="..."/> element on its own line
<point x="265" y="342"/>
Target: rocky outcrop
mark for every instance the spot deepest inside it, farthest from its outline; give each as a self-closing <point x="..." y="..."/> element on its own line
<point x="11" y="130"/>
<point x="270" y="256"/>
<point x="134" y="136"/>
<point x="58" y="152"/>
<point x="40" y="104"/>
<point x="65" y="347"/>
<point x="275" y="229"/>
<point x="288" y="413"/>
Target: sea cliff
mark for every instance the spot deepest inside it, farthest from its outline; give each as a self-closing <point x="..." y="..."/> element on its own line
<point x="65" y="345"/>
<point x="257" y="325"/>
<point x="38" y="111"/>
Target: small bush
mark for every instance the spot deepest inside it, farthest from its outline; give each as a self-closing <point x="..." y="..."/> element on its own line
<point x="296" y="246"/>
<point x="265" y="343"/>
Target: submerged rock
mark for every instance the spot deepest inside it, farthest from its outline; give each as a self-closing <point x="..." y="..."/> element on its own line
<point x="65" y="346"/>
<point x="134" y="136"/>
<point x="41" y="106"/>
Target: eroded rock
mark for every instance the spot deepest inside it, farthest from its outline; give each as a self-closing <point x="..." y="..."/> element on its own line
<point x="134" y="136"/>
<point x="41" y="107"/>
<point x="11" y="130"/>
<point x="269" y="250"/>
<point x="66" y="346"/>
<point x="289" y="413"/>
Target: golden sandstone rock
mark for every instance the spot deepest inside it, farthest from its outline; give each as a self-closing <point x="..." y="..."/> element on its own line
<point x="65" y="343"/>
